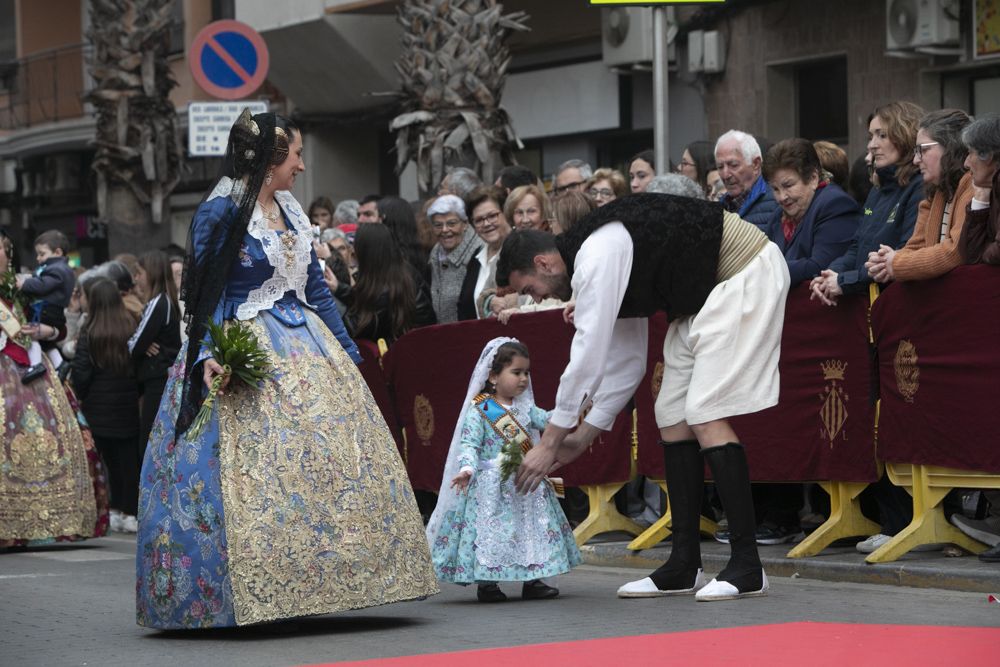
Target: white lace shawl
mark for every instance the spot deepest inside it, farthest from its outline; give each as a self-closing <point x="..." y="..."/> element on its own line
<point x="287" y="252"/>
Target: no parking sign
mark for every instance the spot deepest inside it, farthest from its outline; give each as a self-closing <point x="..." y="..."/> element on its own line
<point x="228" y="59"/>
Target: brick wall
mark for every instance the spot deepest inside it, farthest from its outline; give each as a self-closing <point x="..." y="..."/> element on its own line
<point x="777" y="33"/>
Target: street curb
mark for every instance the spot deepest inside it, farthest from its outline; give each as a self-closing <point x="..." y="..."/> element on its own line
<point x="922" y="573"/>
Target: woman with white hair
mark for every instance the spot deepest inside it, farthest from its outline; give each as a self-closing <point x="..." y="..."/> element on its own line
<point x="457" y="243"/>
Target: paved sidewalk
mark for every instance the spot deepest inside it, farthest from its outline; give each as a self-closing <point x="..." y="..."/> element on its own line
<point x="924" y="570"/>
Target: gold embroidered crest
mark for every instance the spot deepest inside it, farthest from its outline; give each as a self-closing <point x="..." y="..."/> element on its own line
<point x="907" y="371"/>
<point x="833" y="412"/>
<point x="423" y="415"/>
<point x="657" y="380"/>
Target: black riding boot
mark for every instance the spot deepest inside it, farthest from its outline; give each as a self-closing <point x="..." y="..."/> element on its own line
<point x="732" y="479"/>
<point x="681" y="574"/>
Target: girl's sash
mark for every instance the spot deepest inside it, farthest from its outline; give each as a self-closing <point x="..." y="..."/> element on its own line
<point x="511" y="431"/>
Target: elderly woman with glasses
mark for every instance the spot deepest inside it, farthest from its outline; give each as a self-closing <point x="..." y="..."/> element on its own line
<point x="484" y="207"/>
<point x="456" y="246"/>
<point x="933" y="249"/>
<point x="606" y="186"/>
<point x="980" y="241"/>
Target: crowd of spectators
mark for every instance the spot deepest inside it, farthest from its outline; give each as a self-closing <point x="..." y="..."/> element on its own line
<point x="920" y="202"/>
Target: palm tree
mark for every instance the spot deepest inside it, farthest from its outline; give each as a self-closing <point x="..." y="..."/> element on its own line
<point x="453" y="69"/>
<point x="139" y="159"/>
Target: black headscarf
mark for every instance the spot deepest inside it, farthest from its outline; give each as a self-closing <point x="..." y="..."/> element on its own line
<point x="254" y="148"/>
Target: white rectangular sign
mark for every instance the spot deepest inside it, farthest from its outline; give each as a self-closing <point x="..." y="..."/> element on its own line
<point x="209" y="124"/>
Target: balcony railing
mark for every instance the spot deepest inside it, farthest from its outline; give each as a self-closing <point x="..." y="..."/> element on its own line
<point x="45" y="87"/>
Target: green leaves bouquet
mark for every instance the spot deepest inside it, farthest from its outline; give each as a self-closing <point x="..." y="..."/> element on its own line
<point x="237" y="349"/>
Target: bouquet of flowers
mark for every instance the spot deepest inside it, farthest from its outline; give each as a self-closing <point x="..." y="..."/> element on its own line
<point x="237" y="349"/>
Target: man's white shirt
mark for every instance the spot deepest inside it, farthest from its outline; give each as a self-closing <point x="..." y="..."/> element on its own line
<point x="608" y="355"/>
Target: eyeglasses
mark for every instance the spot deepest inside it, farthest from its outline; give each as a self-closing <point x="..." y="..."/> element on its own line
<point x="600" y="193"/>
<point x="450" y="223"/>
<point x="487" y="218"/>
<point x="685" y="163"/>
<point x="919" y="149"/>
<point x="526" y="212"/>
<point x="569" y="186"/>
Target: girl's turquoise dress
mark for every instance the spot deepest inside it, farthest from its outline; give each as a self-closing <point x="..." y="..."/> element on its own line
<point x="494" y="533"/>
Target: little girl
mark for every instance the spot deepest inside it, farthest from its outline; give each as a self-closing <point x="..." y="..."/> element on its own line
<point x="482" y="529"/>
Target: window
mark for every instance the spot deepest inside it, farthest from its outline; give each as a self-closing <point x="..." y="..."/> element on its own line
<point x="821" y="92"/>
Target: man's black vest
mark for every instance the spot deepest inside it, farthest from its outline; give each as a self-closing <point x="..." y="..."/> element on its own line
<point x="675" y="253"/>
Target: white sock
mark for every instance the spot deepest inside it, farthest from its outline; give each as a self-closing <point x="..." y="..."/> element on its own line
<point x="55" y="357"/>
<point x="35" y="353"/>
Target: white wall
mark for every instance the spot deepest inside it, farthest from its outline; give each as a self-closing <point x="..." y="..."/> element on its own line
<point x="562" y="100"/>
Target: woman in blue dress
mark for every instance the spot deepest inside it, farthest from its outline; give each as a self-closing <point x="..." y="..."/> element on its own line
<point x="293" y="500"/>
<point x="482" y="530"/>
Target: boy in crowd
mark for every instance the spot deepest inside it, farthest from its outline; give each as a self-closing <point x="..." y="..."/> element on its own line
<point x="50" y="290"/>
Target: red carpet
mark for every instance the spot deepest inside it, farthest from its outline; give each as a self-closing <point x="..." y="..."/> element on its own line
<point x="834" y="644"/>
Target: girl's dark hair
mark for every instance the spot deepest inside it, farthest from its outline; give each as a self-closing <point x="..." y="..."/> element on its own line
<point x="795" y="154"/>
<point x="109" y="327"/>
<point x="160" y="276"/>
<point x="399" y="219"/>
<point x="255" y="147"/>
<point x="703" y="156"/>
<point x="381" y="270"/>
<point x="945" y="127"/>
<point x="503" y="358"/>
<point x="647" y="156"/>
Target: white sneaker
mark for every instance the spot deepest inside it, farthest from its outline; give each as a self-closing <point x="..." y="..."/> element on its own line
<point x="129" y="524"/>
<point x="115" y="521"/>
<point x="872" y="543"/>
<point x="645" y="588"/>
<point x="723" y="590"/>
<point x="986" y="530"/>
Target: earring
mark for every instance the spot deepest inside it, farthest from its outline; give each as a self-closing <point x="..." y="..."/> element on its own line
<point x="269" y="177"/>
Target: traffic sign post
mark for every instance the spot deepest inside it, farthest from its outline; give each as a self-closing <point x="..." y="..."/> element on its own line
<point x="209" y="124"/>
<point x="228" y="59"/>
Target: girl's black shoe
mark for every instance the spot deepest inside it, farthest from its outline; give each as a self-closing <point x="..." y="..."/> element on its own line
<point x="536" y="589"/>
<point x="490" y="593"/>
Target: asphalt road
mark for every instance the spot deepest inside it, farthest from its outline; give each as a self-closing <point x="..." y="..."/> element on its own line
<point x="74" y="605"/>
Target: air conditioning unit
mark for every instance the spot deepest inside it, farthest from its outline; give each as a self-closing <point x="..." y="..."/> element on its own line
<point x="912" y="24"/>
<point x="627" y="36"/>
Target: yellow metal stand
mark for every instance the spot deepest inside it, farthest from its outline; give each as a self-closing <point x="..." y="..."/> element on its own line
<point x="929" y="485"/>
<point x="846" y="520"/>
<point x="659" y="530"/>
<point x="604" y="517"/>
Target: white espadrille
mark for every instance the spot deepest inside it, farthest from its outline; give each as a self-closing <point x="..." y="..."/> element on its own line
<point x="645" y="588"/>
<point x="723" y="590"/>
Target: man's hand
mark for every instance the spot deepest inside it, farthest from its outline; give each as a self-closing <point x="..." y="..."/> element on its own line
<point x="504" y="315"/>
<point x="575" y="444"/>
<point x="569" y="311"/>
<point x="539" y="461"/>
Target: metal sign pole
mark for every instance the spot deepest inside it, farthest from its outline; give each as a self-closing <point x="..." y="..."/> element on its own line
<point x="660" y="95"/>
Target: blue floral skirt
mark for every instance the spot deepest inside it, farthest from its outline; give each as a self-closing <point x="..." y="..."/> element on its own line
<point x="292" y="501"/>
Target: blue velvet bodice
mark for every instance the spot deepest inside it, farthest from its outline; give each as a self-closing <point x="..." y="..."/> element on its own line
<point x="255" y="284"/>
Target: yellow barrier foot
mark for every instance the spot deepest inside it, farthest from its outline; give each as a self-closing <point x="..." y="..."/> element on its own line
<point x="930" y="485"/>
<point x="604" y="517"/>
<point x="846" y="520"/>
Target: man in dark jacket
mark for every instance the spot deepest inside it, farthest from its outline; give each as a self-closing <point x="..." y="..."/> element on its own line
<point x="738" y="159"/>
<point x="723" y="284"/>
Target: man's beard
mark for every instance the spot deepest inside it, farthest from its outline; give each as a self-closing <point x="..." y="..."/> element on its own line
<point x="559" y="286"/>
